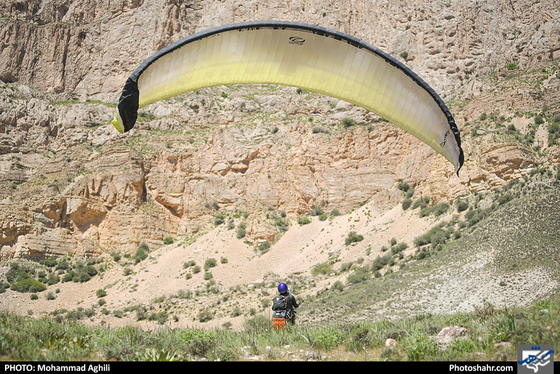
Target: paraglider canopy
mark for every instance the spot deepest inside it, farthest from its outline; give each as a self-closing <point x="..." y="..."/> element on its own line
<point x="301" y="55"/>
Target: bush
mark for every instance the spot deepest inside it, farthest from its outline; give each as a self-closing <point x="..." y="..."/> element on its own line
<point x="539" y="120"/>
<point x="322" y="268"/>
<point x="219" y="219"/>
<point x="348" y="122"/>
<point x="140" y="255"/>
<point x="53" y="279"/>
<point x="462" y="205"/>
<point x="440" y="209"/>
<point x="328" y="338"/>
<point x="49" y="262"/>
<point x="320" y="130"/>
<point x="303" y="221"/>
<point x="205" y="316"/>
<point x="360" y="274"/>
<point x="419" y="346"/>
<point x="436" y="235"/>
<point x="337" y="286"/>
<point x="116" y="256"/>
<point x="241" y="231"/>
<point x="90" y="270"/>
<point x="82" y="277"/>
<point x="426" y="211"/>
<point x="406" y="203"/>
<point x="18" y="272"/>
<point x="63" y="265"/>
<point x="168" y="240"/>
<point x="380" y="262"/>
<point x="504" y="199"/>
<point x="210" y="263"/>
<point x="316" y="211"/>
<point x="281" y="224"/>
<point x="353" y="237"/>
<point x="403" y="186"/>
<point x="421" y="202"/>
<point x="29" y="285"/>
<point x="553" y="133"/>
<point x="264" y="246"/>
<point x="474" y="216"/>
<point x="399" y="248"/>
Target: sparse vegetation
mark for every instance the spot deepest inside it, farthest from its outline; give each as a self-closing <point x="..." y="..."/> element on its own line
<point x="44" y="339"/>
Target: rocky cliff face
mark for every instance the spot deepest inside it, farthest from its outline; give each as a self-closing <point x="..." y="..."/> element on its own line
<point x="70" y="183"/>
<point x="87" y="49"/>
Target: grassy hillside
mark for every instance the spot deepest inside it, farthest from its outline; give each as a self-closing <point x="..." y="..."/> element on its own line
<point x="503" y="249"/>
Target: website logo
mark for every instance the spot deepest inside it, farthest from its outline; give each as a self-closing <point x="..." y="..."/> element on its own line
<point x="296" y="40"/>
<point x="533" y="359"/>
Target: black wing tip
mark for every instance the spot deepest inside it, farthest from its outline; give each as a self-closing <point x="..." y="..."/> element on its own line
<point x="128" y="104"/>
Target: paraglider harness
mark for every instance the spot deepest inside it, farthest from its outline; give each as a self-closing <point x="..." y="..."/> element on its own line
<point x="282" y="314"/>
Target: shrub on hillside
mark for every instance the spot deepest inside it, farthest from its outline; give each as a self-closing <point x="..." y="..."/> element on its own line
<point x="140" y="255"/>
<point x="440" y="209"/>
<point x="322" y="268"/>
<point x="241" y="231"/>
<point x="407" y="202"/>
<point x="462" y="205"/>
<point x="360" y="274"/>
<point x="219" y="219"/>
<point x="421" y="202"/>
<point x="210" y="263"/>
<point x="29" y="285"/>
<point x="264" y="246"/>
<point x="353" y="237"/>
<point x="303" y="220"/>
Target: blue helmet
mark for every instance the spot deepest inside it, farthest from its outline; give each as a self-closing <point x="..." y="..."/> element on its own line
<point x="282" y="288"/>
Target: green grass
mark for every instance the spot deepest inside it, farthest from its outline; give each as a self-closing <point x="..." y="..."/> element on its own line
<point x="492" y="334"/>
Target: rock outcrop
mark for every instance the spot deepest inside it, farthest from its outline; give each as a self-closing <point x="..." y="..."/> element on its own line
<point x="69" y="183"/>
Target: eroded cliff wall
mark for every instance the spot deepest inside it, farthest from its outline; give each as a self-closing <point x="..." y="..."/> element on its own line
<point x="69" y="183"/>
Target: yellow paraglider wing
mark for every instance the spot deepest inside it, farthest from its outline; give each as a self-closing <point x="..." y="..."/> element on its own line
<point x="294" y="54"/>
